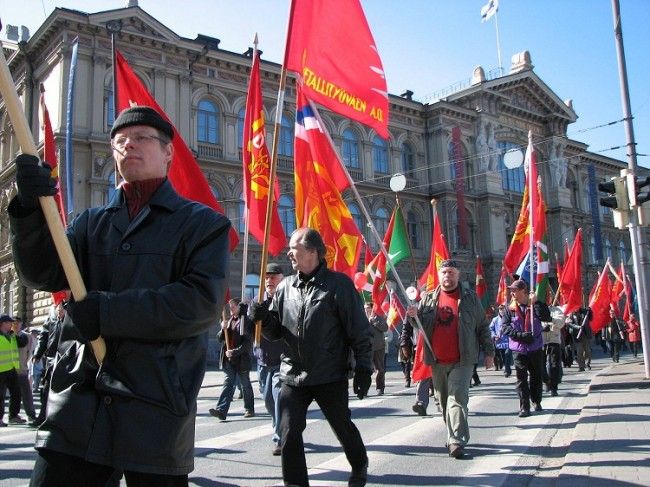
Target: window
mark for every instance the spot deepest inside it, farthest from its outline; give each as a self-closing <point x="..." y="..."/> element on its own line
<point x="285" y="147"/>
<point x="109" y="107"/>
<point x="468" y="169"/>
<point x="356" y="216"/>
<point x="350" y="149"/>
<point x="240" y="127"/>
<point x="252" y="288"/>
<point x="622" y="252"/>
<point x="412" y="229"/>
<point x="511" y="179"/>
<point x="408" y="159"/>
<point x="380" y="220"/>
<point x="208" y="122"/>
<point x="608" y="249"/>
<point x="379" y="155"/>
<point x="286" y="211"/>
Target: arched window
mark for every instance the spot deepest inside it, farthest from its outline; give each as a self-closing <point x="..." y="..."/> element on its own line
<point x="285" y="147"/>
<point x="608" y="249"/>
<point x="454" y="231"/>
<point x="408" y="159"/>
<point x="356" y="216"/>
<point x="380" y="220"/>
<point x="240" y="127"/>
<point x="286" y="210"/>
<point x="412" y="225"/>
<point x="511" y="179"/>
<point x="208" y="122"/>
<point x="109" y="106"/>
<point x="622" y="252"/>
<point x="350" y="149"/>
<point x="379" y="155"/>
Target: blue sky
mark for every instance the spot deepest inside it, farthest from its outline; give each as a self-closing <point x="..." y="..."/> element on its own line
<point x="428" y="45"/>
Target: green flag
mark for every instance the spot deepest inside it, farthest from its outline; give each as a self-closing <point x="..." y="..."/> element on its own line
<point x="399" y="248"/>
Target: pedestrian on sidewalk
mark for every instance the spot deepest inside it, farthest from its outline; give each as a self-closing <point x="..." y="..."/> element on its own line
<point x="634" y="334"/>
<point x="580" y="328"/>
<point x="319" y="315"/>
<point x="10" y="342"/>
<point x="500" y="340"/>
<point x="552" y="336"/>
<point x="268" y="356"/>
<point x="455" y="324"/>
<point x="525" y="335"/>
<point x="614" y="333"/>
<point x="405" y="355"/>
<point x="235" y="360"/>
<point x="378" y="327"/>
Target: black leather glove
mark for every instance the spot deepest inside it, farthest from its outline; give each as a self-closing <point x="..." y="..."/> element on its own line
<point x="524" y="337"/>
<point x="243" y="309"/>
<point x="361" y="382"/>
<point x="258" y="311"/>
<point x="33" y="179"/>
<point x="85" y="315"/>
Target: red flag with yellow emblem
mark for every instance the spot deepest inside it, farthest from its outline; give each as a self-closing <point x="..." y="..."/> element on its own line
<point x="439" y="252"/>
<point x="257" y="168"/>
<point x="319" y="180"/>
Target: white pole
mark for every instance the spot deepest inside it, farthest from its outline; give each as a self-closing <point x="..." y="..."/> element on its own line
<point x="496" y="26"/>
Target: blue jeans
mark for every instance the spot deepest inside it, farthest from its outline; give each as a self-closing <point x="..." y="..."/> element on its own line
<point x="228" y="391"/>
<point x="269" y="378"/>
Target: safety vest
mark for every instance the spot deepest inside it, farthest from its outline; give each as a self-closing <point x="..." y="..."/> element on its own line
<point x="9" y="353"/>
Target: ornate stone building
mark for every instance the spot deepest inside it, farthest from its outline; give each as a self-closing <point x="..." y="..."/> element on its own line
<point x="203" y="88"/>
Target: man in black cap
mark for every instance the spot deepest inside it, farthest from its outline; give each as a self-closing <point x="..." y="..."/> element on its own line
<point x="454" y="321"/>
<point x="268" y="361"/>
<point x="155" y="266"/>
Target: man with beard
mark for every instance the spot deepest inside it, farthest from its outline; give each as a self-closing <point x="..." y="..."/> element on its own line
<point x="455" y="323"/>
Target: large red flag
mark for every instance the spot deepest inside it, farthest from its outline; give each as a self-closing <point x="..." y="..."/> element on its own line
<point x="257" y="168"/>
<point x="520" y="243"/>
<point x="439" y="252"/>
<point x="599" y="300"/>
<point x="570" y="283"/>
<point x="49" y="157"/>
<point x="184" y="174"/>
<point x="330" y="45"/>
<point x="319" y="180"/>
<point x="503" y="292"/>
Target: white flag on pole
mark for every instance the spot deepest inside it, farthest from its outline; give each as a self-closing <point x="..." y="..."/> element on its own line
<point x="489" y="10"/>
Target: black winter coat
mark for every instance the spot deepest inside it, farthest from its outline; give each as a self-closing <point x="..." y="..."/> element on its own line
<point x="321" y="321"/>
<point x="162" y="279"/>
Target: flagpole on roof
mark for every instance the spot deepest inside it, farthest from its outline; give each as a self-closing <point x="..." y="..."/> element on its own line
<point x="496" y="26"/>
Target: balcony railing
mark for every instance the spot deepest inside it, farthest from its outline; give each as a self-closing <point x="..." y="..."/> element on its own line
<point x="210" y="151"/>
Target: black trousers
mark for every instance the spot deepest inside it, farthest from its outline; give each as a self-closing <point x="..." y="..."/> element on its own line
<point x="553" y="366"/>
<point x="529" y="368"/>
<point x="333" y="401"/>
<point x="378" y="360"/>
<point x="9" y="380"/>
<point x="55" y="469"/>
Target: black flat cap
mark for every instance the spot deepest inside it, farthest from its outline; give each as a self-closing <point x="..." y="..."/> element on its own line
<point x="142" y="115"/>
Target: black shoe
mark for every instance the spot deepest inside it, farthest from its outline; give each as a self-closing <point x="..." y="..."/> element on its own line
<point x="217" y="414"/>
<point x="380" y="392"/>
<point x="507" y="374"/>
<point x="419" y="408"/>
<point x="554" y="392"/>
<point x="359" y="476"/>
<point x="456" y="451"/>
<point x="16" y="420"/>
<point x="408" y="383"/>
<point x="36" y="423"/>
<point x="277" y="451"/>
<point x="249" y="413"/>
<point x="524" y="413"/>
<point x="537" y="406"/>
<point x="581" y="369"/>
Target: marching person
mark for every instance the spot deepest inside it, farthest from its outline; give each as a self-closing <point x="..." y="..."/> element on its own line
<point x="455" y="323"/>
<point x="319" y="315"/>
<point x="634" y="334"/>
<point x="525" y="341"/>
<point x="10" y="342"/>
<point x="155" y="266"/>
<point x="614" y="333"/>
<point x="378" y="327"/>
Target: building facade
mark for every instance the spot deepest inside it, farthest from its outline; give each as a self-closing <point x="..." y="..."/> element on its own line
<point x="452" y="149"/>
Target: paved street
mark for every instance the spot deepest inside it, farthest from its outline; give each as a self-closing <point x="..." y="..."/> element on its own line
<point x="562" y="445"/>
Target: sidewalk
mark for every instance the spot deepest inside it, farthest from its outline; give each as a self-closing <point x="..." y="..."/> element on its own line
<point x="611" y="440"/>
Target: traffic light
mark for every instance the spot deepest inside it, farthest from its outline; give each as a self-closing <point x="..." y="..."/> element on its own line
<point x="640" y="199"/>
<point x="618" y="200"/>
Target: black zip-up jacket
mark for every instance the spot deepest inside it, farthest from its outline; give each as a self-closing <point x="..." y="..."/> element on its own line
<point x="320" y="321"/>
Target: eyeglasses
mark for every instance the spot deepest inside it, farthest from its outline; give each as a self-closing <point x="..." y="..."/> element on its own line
<point x="121" y="141"/>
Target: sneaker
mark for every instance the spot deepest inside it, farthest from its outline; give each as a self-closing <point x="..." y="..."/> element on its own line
<point x="537" y="406"/>
<point x="16" y="420"/>
<point x="276" y="451"/>
<point x="456" y="451"/>
<point x="217" y="414"/>
<point x="249" y="414"/>
<point x="419" y="408"/>
<point x="524" y="413"/>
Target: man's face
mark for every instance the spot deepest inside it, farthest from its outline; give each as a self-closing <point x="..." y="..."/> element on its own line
<point x="5" y="326"/>
<point x="448" y="277"/>
<point x="271" y="283"/>
<point x="368" y="310"/>
<point x="60" y="311"/>
<point x="301" y="258"/>
<point x="521" y="295"/>
<point x="140" y="154"/>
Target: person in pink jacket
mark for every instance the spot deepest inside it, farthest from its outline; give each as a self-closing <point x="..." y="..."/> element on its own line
<point x="633" y="334"/>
